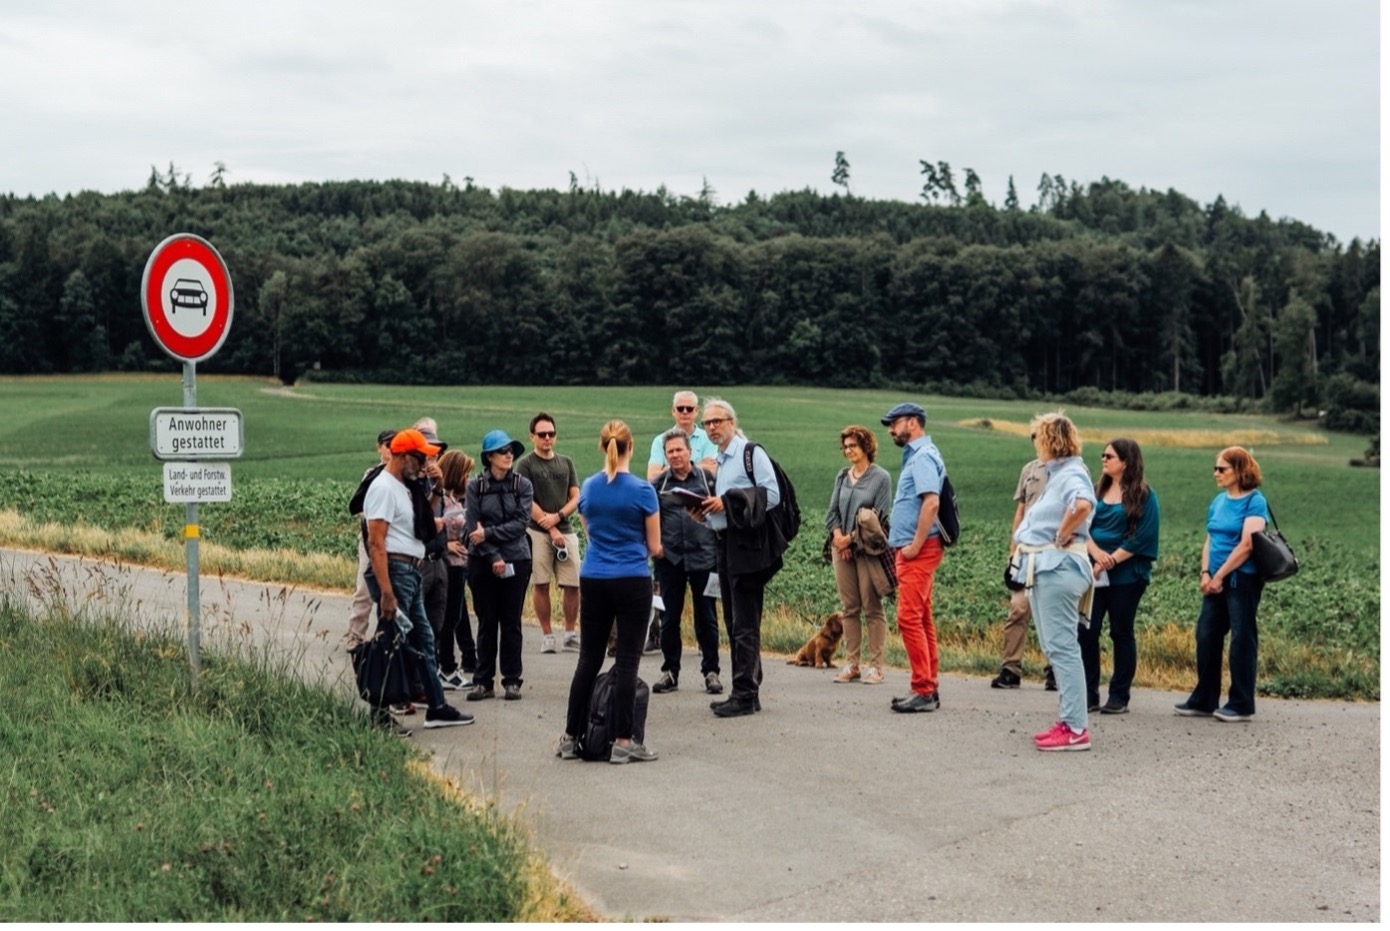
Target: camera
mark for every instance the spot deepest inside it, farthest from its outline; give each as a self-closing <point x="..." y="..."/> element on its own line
<point x="562" y="554"/>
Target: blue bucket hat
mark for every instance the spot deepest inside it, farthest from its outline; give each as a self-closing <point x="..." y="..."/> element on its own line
<point x="498" y="439"/>
<point x="905" y="409"/>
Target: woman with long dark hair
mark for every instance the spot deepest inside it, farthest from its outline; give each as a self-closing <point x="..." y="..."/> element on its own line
<point x="1231" y="590"/>
<point x="1123" y="546"/>
<point x="456" y="467"/>
<point x="621" y="519"/>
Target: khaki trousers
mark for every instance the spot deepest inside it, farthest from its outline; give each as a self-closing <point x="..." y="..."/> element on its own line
<point x="1016" y="632"/>
<point x="857" y="595"/>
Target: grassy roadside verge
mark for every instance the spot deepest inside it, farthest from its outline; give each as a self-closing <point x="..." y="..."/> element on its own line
<point x="131" y="798"/>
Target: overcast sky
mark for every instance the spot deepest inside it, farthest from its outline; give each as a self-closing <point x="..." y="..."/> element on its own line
<point x="1272" y="103"/>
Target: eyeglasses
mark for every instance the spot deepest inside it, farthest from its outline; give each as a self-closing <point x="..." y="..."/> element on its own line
<point x="1108" y="456"/>
<point x="1221" y="468"/>
<point x="715" y="421"/>
<point x="850" y="446"/>
<point x="544" y="434"/>
<point x="685" y="410"/>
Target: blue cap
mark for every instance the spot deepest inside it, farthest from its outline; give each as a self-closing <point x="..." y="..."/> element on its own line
<point x="498" y="439"/>
<point x="905" y="409"/>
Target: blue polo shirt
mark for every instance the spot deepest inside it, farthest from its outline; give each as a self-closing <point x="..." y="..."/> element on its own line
<point x="922" y="473"/>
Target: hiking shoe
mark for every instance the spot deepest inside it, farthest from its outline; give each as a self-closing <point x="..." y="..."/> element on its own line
<point x="1189" y="710"/>
<point x="916" y="703"/>
<point x="547" y="643"/>
<point x="404" y="709"/>
<point x="848" y="674"/>
<point x="571" y="644"/>
<point x="1114" y="706"/>
<point x="511" y="692"/>
<point x="653" y="645"/>
<point x="453" y="682"/>
<point x="667" y="683"/>
<point x="1049" y="680"/>
<point x="1006" y="680"/>
<point x="479" y="693"/>
<point x="566" y="750"/>
<point x="712" y="684"/>
<point x="1062" y="737"/>
<point x="632" y="753"/>
<point x="1232" y="717"/>
<point x="446" y="716"/>
<point x="872" y="676"/>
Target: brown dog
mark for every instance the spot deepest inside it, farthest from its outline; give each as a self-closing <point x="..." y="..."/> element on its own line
<point x="820" y="649"/>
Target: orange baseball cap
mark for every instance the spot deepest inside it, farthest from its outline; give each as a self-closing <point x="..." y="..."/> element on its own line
<point x="412" y="441"/>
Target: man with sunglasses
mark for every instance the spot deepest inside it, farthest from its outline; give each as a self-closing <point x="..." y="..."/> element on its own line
<point x="684" y="406"/>
<point x="554" y="544"/>
<point x="396" y="551"/>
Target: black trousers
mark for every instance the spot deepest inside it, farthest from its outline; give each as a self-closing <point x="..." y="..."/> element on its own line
<point x="603" y="603"/>
<point x="457" y="629"/>
<point x="497" y="603"/>
<point x="742" y="596"/>
<point x="1120" y="603"/>
<point x="674" y="580"/>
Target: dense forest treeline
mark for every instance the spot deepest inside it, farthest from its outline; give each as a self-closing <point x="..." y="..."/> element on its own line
<point x="1095" y="287"/>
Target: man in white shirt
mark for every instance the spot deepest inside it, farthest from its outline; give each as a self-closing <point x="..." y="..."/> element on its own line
<point x="396" y="553"/>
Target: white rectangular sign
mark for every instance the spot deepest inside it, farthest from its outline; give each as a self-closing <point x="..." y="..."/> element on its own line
<point x="195" y="433"/>
<point x="197" y="482"/>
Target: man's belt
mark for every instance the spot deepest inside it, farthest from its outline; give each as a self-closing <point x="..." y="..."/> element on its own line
<point x="413" y="562"/>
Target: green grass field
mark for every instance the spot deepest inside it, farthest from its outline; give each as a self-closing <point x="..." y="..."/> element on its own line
<point x="76" y="450"/>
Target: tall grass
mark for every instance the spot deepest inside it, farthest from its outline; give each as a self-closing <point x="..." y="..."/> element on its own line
<point x="129" y="797"/>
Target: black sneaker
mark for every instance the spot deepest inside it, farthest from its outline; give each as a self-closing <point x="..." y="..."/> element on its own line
<point x="446" y="716"/>
<point x="1006" y="680"/>
<point x="1114" y="706"/>
<point x="1049" y="680"/>
<point x="667" y="683"/>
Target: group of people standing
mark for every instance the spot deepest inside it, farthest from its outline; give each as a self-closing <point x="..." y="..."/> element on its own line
<point x="1080" y="553"/>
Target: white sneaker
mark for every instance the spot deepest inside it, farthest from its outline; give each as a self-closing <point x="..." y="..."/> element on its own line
<point x="548" y="643"/>
<point x="571" y="644"/>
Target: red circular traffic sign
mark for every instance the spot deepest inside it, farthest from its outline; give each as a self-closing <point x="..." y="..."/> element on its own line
<point x="187" y="297"/>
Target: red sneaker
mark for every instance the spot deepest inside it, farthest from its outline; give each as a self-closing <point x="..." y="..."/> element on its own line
<point x="1063" y="737"/>
<point x="1049" y="732"/>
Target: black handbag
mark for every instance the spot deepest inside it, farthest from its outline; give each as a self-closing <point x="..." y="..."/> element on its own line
<point x="383" y="667"/>
<point x="1274" y="558"/>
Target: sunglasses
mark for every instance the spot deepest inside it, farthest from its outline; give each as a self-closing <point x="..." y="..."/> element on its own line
<point x="504" y="451"/>
<point x="1221" y="468"/>
<point x="715" y="421"/>
<point x="685" y="410"/>
<point x="544" y="434"/>
<point x="1108" y="456"/>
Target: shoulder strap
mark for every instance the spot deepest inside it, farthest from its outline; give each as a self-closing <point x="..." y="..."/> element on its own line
<point x="748" y="460"/>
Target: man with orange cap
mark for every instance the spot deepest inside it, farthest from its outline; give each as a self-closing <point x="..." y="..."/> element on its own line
<point x="396" y="537"/>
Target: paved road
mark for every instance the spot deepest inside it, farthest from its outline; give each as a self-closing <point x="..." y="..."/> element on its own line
<point x="828" y="807"/>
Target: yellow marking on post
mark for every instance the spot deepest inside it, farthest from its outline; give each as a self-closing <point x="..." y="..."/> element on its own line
<point x="190" y="532"/>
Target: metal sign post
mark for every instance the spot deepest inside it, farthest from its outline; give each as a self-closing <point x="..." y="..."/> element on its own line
<point x="186" y="295"/>
<point x="190" y="538"/>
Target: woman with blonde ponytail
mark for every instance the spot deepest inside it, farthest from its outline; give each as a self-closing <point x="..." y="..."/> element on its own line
<point x="619" y="514"/>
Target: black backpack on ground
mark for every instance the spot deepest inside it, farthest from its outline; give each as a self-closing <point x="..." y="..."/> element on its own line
<point x="787" y="514"/>
<point x="596" y="742"/>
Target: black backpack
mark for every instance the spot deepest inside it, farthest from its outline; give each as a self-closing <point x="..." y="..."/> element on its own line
<point x="787" y="514"/>
<point x="948" y="513"/>
<point x="596" y="742"/>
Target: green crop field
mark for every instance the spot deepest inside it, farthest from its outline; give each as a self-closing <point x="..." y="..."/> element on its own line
<point x="75" y="451"/>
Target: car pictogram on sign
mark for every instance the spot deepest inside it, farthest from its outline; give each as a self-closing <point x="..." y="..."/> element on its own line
<point x="188" y="294"/>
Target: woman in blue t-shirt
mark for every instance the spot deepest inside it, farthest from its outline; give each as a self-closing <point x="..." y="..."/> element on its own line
<point x="1231" y="590"/>
<point x="1123" y="546"/>
<point x="621" y="519"/>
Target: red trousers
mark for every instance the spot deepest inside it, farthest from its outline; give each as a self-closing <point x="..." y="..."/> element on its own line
<point x="915" y="578"/>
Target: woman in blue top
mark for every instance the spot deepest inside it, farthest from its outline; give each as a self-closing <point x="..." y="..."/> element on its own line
<point x="1230" y="590"/>
<point x="1124" y="544"/>
<point x="621" y="519"/>
<point x="1051" y="545"/>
